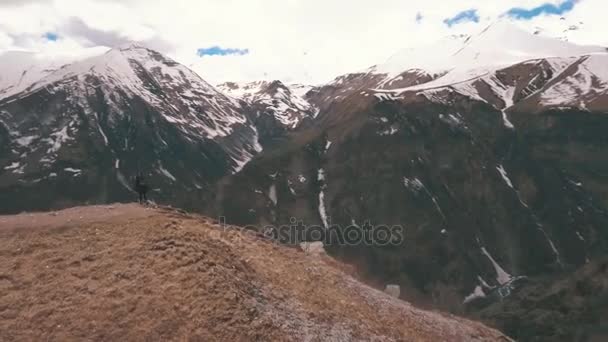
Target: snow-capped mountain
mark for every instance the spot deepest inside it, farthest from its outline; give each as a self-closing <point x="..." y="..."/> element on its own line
<point x="499" y="45"/>
<point x="534" y="85"/>
<point x="285" y="103"/>
<point x="137" y="71"/>
<point x="105" y="118"/>
<point x="462" y="62"/>
<point x="512" y="69"/>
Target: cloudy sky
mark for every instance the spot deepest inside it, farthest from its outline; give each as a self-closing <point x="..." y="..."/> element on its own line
<point x="308" y="41"/>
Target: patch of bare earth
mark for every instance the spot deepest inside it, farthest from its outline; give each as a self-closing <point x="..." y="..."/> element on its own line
<point x="127" y="272"/>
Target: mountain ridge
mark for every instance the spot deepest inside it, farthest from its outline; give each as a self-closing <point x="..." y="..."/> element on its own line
<point x="194" y="279"/>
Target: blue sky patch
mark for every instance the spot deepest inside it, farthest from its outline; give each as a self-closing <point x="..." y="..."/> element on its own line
<point x="219" y="51"/>
<point x="463" y="17"/>
<point x="51" y="36"/>
<point x="548" y="8"/>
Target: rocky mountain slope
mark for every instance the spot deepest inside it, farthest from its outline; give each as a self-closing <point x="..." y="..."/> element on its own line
<point x="286" y="103"/>
<point x="136" y="273"/>
<point x="493" y="159"/>
<point x="82" y="131"/>
<point x="277" y="109"/>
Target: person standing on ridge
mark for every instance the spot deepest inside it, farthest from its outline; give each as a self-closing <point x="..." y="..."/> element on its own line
<point x="141" y="188"/>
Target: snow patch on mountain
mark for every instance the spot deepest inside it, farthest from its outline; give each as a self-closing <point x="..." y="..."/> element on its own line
<point x="272" y="194"/>
<point x="505" y="177"/>
<point x="477" y="293"/>
<point x="26" y="141"/>
<point x="501" y="275"/>
<point x="413" y="184"/>
<point x="286" y="103"/>
<point x="322" y="207"/>
<point x="58" y="138"/>
<point x="72" y="170"/>
<point x="589" y="80"/>
<point x="244" y="155"/>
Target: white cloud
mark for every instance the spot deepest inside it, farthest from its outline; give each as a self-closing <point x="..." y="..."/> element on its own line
<point x="5" y="41"/>
<point x="294" y="40"/>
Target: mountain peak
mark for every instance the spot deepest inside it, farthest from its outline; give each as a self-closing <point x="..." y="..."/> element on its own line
<point x="503" y="43"/>
<point x="287" y="104"/>
<point x="274" y="87"/>
<point x="130" y="46"/>
<point x="498" y="44"/>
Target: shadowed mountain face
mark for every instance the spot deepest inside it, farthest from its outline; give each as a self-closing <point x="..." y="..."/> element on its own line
<point x="493" y="201"/>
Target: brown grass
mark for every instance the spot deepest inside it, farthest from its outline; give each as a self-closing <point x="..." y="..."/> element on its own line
<point x="126" y="272"/>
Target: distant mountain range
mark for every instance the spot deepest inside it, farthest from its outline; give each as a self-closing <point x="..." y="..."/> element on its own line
<point x="490" y="149"/>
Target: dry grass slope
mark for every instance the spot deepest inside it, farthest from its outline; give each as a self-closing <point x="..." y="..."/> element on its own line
<point x="126" y="272"/>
